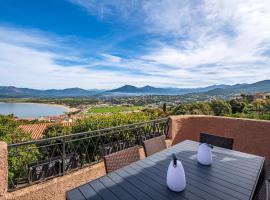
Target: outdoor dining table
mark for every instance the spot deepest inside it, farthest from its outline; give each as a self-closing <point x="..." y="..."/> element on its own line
<point x="233" y="175"/>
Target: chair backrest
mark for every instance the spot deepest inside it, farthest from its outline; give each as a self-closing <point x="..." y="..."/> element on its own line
<point x="154" y="145"/>
<point x="219" y="141"/>
<point x="264" y="192"/>
<point x="113" y="147"/>
<point x="43" y="169"/>
<point x="121" y="159"/>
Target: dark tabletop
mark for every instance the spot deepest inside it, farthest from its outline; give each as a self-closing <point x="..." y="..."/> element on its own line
<point x="233" y="175"/>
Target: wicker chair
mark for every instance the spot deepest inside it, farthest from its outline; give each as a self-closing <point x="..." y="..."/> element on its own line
<point x="154" y="145"/>
<point x="219" y="141"/>
<point x="121" y="159"/>
<point x="264" y="192"/>
<point x="113" y="147"/>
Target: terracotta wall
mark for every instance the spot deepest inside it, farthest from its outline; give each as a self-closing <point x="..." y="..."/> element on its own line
<point x="251" y="136"/>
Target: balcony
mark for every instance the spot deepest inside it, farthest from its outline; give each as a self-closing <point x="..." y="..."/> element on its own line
<point x="47" y="168"/>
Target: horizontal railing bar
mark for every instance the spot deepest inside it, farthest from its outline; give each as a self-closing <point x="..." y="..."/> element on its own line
<point x="44" y="146"/>
<point x="86" y="133"/>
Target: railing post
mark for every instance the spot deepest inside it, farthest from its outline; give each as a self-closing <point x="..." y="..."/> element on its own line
<point x="3" y="170"/>
<point x="167" y="128"/>
<point x="63" y="155"/>
<point x="154" y="128"/>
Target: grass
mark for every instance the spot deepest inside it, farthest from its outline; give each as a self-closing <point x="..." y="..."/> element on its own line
<point x="113" y="109"/>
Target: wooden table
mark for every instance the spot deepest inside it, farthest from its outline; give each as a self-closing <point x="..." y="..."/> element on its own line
<point x="233" y="175"/>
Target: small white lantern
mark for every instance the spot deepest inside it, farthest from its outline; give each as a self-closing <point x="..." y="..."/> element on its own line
<point x="204" y="154"/>
<point x="176" y="178"/>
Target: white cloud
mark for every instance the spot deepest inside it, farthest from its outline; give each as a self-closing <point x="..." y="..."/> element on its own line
<point x="122" y="8"/>
<point x="173" y="17"/>
<point x="24" y="37"/>
<point x="111" y="58"/>
<point x="230" y="37"/>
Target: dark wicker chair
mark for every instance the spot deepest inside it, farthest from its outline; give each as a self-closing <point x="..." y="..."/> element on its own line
<point x="219" y="141"/>
<point x="154" y="145"/>
<point x="264" y="192"/>
<point x="116" y="146"/>
<point x="121" y="159"/>
<point x="44" y="169"/>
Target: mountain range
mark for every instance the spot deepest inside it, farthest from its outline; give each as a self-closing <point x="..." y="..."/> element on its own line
<point x="14" y="92"/>
<point x="162" y="91"/>
<point x="129" y="90"/>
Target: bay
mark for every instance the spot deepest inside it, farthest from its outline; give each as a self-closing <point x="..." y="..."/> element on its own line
<point x="31" y="110"/>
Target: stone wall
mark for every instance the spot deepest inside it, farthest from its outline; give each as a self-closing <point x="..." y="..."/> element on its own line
<point x="3" y="170"/>
<point x="56" y="188"/>
<point x="251" y="136"/>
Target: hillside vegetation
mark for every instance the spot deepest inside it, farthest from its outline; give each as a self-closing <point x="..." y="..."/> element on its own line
<point x="245" y="107"/>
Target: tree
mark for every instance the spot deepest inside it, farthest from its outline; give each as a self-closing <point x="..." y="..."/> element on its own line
<point x="9" y="131"/>
<point x="164" y="108"/>
<point x="249" y="98"/>
<point x="258" y="105"/>
<point x="197" y="108"/>
<point x="237" y="106"/>
<point x="18" y="156"/>
<point x="200" y="108"/>
<point x="267" y="107"/>
<point x="182" y="109"/>
<point x="56" y="130"/>
<point x="221" y="108"/>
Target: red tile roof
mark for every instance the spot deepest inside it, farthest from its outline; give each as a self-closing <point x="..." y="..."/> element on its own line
<point x="37" y="130"/>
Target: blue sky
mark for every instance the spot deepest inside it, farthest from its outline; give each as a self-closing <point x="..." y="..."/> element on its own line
<point x="107" y="44"/>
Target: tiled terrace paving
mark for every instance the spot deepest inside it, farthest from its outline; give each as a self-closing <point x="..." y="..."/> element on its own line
<point x="250" y="136"/>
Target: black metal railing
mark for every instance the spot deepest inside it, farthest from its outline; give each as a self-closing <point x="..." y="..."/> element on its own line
<point x="39" y="160"/>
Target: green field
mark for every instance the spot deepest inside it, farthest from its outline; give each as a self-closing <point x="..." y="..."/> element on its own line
<point x="114" y="109"/>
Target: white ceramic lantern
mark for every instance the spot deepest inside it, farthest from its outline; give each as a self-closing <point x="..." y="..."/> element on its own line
<point x="176" y="178"/>
<point x="204" y="154"/>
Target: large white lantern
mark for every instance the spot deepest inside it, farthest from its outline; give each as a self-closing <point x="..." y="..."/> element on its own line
<point x="204" y="154"/>
<point x="176" y="178"/>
